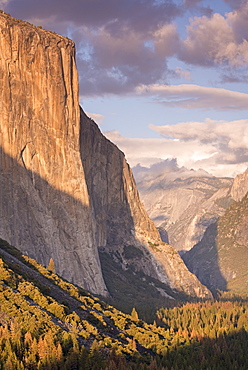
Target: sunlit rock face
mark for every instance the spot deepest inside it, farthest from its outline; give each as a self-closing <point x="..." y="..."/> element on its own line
<point x="45" y="207"/>
<point x="65" y="189"/>
<point x="240" y="186"/>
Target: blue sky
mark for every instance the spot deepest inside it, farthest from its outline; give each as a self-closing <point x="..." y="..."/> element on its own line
<point x="162" y="78"/>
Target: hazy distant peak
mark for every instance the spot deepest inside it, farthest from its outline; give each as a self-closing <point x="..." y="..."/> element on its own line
<point x="168" y="169"/>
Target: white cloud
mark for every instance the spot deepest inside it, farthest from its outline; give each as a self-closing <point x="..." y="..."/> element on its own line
<point x="232" y="135"/>
<point x="219" y="147"/>
<point x="196" y="97"/>
<point x="151" y="151"/>
<point x="217" y="39"/>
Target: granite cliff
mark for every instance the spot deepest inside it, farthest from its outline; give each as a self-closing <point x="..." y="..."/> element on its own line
<point x="240" y="186"/>
<point x="45" y="206"/>
<point x="66" y="191"/>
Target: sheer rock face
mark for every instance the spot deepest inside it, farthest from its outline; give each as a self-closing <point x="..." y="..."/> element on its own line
<point x="65" y="189"/>
<point x="240" y="186"/>
<point x="45" y="208"/>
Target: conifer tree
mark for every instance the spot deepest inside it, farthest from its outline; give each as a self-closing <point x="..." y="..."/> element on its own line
<point x="134" y="314"/>
<point x="51" y="266"/>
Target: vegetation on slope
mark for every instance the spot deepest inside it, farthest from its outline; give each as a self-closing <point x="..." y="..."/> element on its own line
<point x="48" y="323"/>
<point x="129" y="288"/>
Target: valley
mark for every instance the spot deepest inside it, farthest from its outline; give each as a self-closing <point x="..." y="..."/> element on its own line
<point x="97" y="272"/>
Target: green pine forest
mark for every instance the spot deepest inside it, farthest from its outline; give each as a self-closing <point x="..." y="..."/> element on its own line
<point x="48" y="323"/>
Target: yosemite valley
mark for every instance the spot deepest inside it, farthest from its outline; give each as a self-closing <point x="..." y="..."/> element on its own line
<point x="98" y="272"/>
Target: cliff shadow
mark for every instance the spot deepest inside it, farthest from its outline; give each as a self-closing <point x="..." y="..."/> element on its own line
<point x="163" y="235"/>
<point x="103" y="165"/>
<point x="203" y="261"/>
<point x="44" y="222"/>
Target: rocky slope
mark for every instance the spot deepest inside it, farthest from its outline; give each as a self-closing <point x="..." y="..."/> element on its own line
<point x="220" y="259"/>
<point x="65" y="189"/>
<point x="182" y="203"/>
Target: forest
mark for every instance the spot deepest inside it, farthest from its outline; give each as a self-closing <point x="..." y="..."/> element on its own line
<point x="49" y="323"/>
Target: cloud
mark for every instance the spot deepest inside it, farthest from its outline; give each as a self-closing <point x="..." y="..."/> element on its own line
<point x="195" y="6"/>
<point x="228" y="140"/>
<point x="196" y="97"/>
<point x="234" y="77"/>
<point x="3" y="3"/>
<point x="120" y="43"/>
<point x="235" y="4"/>
<point x="98" y="118"/>
<point x="167" y="169"/>
<point x="217" y="39"/>
<point x="183" y="74"/>
<point x="233" y="135"/>
<point x="150" y="151"/>
<point x="148" y="173"/>
<point x="139" y="15"/>
<point x="220" y="147"/>
<point x="111" y="63"/>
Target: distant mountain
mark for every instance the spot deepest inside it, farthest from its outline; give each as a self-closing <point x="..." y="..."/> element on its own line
<point x="181" y="202"/>
<point x="220" y="259"/>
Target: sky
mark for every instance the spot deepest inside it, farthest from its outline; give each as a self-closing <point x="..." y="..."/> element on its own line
<point x="164" y="79"/>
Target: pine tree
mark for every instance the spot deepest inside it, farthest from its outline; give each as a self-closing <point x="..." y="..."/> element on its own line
<point x="134" y="314"/>
<point x="51" y="266"/>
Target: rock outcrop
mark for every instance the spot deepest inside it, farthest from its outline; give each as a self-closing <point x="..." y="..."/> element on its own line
<point x="65" y="189"/>
<point x="240" y="186"/>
